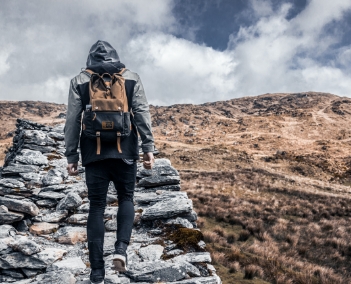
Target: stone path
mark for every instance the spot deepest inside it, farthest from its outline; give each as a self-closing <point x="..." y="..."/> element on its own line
<point x="43" y="216"/>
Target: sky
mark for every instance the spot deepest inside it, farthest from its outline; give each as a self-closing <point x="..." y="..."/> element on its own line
<point x="185" y="51"/>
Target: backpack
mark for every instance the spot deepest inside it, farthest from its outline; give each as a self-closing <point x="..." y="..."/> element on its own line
<point x="107" y="117"/>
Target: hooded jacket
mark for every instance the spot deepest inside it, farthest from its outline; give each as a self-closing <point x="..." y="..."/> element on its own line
<point x="103" y="58"/>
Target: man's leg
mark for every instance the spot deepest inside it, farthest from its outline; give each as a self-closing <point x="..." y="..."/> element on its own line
<point x="97" y="183"/>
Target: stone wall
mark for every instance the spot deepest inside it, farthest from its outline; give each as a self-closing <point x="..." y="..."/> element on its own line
<point x="43" y="216"/>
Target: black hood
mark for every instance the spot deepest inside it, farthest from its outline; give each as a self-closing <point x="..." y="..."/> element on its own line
<point x="103" y="58"/>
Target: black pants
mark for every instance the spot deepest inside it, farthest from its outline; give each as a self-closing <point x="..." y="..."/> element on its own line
<point x="98" y="176"/>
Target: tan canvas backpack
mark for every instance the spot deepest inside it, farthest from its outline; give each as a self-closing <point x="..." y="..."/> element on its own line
<point x="107" y="118"/>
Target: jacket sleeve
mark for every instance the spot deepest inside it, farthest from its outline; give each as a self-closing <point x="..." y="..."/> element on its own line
<point x="73" y="124"/>
<point x="142" y="118"/>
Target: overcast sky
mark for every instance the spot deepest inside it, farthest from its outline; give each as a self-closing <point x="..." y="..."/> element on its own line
<point x="185" y="51"/>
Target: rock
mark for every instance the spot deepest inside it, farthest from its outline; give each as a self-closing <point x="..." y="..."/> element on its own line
<point x="33" y="177"/>
<point x="7" y="231"/>
<point x="22" y="226"/>
<point x="10" y="217"/>
<point x="42" y="149"/>
<point x="82" y="191"/>
<point x="52" y="217"/>
<point x="152" y="197"/>
<point x="11" y="182"/>
<point x="25" y="246"/>
<point x="19" y="168"/>
<point x="7" y="279"/>
<point x="159" y="271"/>
<point x="201" y="280"/>
<point x="55" y="187"/>
<point x="64" y="277"/>
<point x="174" y="252"/>
<point x="84" y="208"/>
<point x="158" y="171"/>
<point x="30" y="272"/>
<point x="43" y="228"/>
<point x="201" y="244"/>
<point x="70" y="201"/>
<point x="56" y="135"/>
<point x="71" y="235"/>
<point x="19" y="260"/>
<point x="193" y="257"/>
<point x="75" y="265"/>
<point x="181" y="222"/>
<point x="174" y="187"/>
<point x="50" y="255"/>
<point x="151" y="252"/>
<point x="111" y="225"/>
<point x="15" y="191"/>
<point x="112" y="279"/>
<point x="109" y="243"/>
<point x="20" y="205"/>
<point x="31" y="157"/>
<point x="3" y="209"/>
<point x="12" y="273"/>
<point x="154" y="181"/>
<point x="51" y="195"/>
<point x="167" y="209"/>
<point x="191" y="270"/>
<point x="78" y="219"/>
<point x="111" y="198"/>
<point x="38" y="137"/>
<point x="110" y="213"/>
<point x="46" y="202"/>
<point x="52" y="177"/>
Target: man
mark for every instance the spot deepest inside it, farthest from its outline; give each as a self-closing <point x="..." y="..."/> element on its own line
<point x="110" y="164"/>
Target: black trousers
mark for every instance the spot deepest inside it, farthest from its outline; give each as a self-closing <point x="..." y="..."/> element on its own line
<point x="98" y="176"/>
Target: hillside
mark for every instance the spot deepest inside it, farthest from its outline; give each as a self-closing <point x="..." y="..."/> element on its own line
<point x="269" y="176"/>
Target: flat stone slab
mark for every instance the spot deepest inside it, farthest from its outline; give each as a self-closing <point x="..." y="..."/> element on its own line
<point x="200" y="280"/>
<point x="53" y="177"/>
<point x="180" y="222"/>
<point x="52" y="217"/>
<point x="20" y="205"/>
<point x="153" y="197"/>
<point x="50" y="255"/>
<point x="10" y="217"/>
<point x="75" y="265"/>
<point x="11" y="182"/>
<point x="154" y="181"/>
<point x="31" y="157"/>
<point x="38" y="137"/>
<point x="64" y="277"/>
<point x="172" y="187"/>
<point x="46" y="202"/>
<point x="70" y="201"/>
<point x="43" y="228"/>
<point x="19" y="260"/>
<point x="158" y="171"/>
<point x="33" y="177"/>
<point x="193" y="257"/>
<point x="19" y="168"/>
<point x="156" y="271"/>
<point x="167" y="209"/>
<point x="25" y="246"/>
<point x="51" y="195"/>
<point x="151" y="252"/>
<point x="80" y="218"/>
<point x="71" y="235"/>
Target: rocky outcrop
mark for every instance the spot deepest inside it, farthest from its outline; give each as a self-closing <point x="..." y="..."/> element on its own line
<point x="43" y="216"/>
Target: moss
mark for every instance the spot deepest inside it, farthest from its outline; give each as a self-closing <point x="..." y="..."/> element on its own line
<point x="186" y="239"/>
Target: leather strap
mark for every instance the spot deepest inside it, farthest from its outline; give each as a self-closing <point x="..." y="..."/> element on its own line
<point x="98" y="145"/>
<point x="119" y="142"/>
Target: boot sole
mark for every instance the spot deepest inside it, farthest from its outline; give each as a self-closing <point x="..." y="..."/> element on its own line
<point x="119" y="264"/>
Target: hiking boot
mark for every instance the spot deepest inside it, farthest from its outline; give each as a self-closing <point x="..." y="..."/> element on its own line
<point x="97" y="276"/>
<point x="119" y="257"/>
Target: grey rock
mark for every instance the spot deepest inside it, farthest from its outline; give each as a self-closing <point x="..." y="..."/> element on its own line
<point x="64" y="277"/>
<point x="56" y="187"/>
<point x="42" y="149"/>
<point x="81" y="218"/>
<point x="191" y="217"/>
<point x="25" y="246"/>
<point x="52" y="217"/>
<point x="10" y="217"/>
<point x="112" y="279"/>
<point x="201" y="244"/>
<point x="31" y="157"/>
<point x="174" y="187"/>
<point x="181" y="222"/>
<point x="79" y="189"/>
<point x="19" y="168"/>
<point x="200" y="280"/>
<point x="191" y="270"/>
<point x="34" y="177"/>
<point x="19" y="260"/>
<point x="38" y="137"/>
<point x="51" y="195"/>
<point x="43" y="228"/>
<point x="23" y="191"/>
<point x="111" y="198"/>
<point x="58" y="128"/>
<point x="7" y="279"/>
<point x="152" y="197"/>
<point x="151" y="252"/>
<point x="75" y="265"/>
<point x="30" y="272"/>
<point x="10" y="182"/>
<point x="3" y="209"/>
<point x="159" y="271"/>
<point x="158" y="171"/>
<point x="7" y="231"/>
<point x="111" y="225"/>
<point x="70" y="201"/>
<point x="20" y="205"/>
<point x="154" y="181"/>
<point x="193" y="257"/>
<point x="23" y="226"/>
<point x="167" y="209"/>
<point x="84" y="208"/>
<point x="46" y="202"/>
<point x="52" y="177"/>
<point x="109" y="243"/>
<point x="56" y="135"/>
<point x="110" y="212"/>
<point x="12" y="273"/>
<point x="174" y="252"/>
<point x="50" y="255"/>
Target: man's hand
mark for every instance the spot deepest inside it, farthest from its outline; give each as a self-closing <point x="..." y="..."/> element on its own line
<point x="72" y="169"/>
<point x="148" y="160"/>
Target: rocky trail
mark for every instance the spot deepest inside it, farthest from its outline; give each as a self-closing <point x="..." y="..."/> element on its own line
<point x="43" y="216"/>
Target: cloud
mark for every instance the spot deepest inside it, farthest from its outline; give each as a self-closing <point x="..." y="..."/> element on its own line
<point x="44" y="44"/>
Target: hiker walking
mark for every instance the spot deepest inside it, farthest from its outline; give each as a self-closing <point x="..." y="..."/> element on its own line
<point x="115" y="110"/>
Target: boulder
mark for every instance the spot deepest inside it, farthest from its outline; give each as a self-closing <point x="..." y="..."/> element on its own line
<point x="43" y="228"/>
<point x="30" y="157"/>
<point x="71" y="235"/>
<point x="70" y="201"/>
<point x="20" y="205"/>
<point x="151" y="252"/>
<point x="25" y="246"/>
<point x="167" y="209"/>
